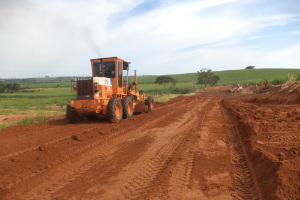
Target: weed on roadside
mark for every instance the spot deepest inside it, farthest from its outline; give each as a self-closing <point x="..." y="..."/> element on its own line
<point x="3" y="126"/>
<point x="41" y="119"/>
<point x="25" y="121"/>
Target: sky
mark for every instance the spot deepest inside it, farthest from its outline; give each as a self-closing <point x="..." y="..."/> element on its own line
<point x="59" y="37"/>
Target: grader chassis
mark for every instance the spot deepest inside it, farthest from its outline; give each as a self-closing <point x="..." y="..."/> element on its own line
<point x="106" y="94"/>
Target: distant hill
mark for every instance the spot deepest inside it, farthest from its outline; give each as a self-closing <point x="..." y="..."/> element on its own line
<point x="231" y="76"/>
<point x="226" y="77"/>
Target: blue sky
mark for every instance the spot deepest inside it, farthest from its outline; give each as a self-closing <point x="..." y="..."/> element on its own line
<point x="59" y="37"/>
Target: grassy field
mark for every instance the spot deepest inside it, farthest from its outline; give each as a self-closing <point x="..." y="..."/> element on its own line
<point x="47" y="85"/>
<point x="46" y="96"/>
<point x="42" y="101"/>
<point x="230" y="76"/>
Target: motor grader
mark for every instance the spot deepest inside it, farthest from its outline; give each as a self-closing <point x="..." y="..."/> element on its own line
<point x="107" y="94"/>
<point x="236" y="88"/>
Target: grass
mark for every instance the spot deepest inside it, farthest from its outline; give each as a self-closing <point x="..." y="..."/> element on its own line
<point x="44" y="96"/>
<point x="47" y="85"/>
<point x="26" y="121"/>
<point x="3" y="126"/>
<point x="179" y="88"/>
<point x="44" y="100"/>
<point x="41" y="119"/>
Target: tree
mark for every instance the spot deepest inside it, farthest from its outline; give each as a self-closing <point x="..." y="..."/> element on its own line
<point x="164" y="80"/>
<point x="8" y="86"/>
<point x="2" y="88"/>
<point x="16" y="87"/>
<point x="205" y="76"/>
<point x="250" y="67"/>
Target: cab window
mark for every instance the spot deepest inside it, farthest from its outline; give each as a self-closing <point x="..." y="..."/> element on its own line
<point x="120" y="75"/>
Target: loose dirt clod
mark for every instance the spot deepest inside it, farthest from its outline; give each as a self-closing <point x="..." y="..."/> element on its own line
<point x="76" y="137"/>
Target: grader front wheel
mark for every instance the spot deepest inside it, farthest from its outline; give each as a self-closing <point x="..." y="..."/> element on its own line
<point x="127" y="107"/>
<point x="150" y="103"/>
<point x="114" y="110"/>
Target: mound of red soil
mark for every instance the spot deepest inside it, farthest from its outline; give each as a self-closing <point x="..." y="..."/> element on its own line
<point x="287" y="94"/>
<point x="269" y="125"/>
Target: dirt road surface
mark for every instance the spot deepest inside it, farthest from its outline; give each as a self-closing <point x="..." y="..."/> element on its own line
<point x="212" y="145"/>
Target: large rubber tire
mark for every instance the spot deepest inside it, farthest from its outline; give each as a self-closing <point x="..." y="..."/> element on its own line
<point x="72" y="117"/>
<point x="150" y="103"/>
<point x="114" y="110"/>
<point x="127" y="107"/>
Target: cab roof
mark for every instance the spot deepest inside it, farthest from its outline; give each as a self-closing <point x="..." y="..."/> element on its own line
<point x="110" y="58"/>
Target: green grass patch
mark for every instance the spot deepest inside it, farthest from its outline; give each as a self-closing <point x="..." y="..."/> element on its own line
<point x="7" y="111"/>
<point x="179" y="88"/>
<point x="42" y="96"/>
<point x="40" y="119"/>
<point x="45" y="99"/>
<point x="25" y="121"/>
<point x="279" y="80"/>
<point x="48" y="85"/>
<point x="243" y="76"/>
<point x="3" y="126"/>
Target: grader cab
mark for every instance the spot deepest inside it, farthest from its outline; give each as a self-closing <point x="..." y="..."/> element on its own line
<point x="107" y="94"/>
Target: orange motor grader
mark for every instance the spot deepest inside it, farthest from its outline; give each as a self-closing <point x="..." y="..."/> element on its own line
<point x="107" y="94"/>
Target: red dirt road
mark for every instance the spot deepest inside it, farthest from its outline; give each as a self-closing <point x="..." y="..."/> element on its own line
<point x="212" y="145"/>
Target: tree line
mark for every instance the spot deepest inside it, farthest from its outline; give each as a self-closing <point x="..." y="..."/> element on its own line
<point x="9" y="87"/>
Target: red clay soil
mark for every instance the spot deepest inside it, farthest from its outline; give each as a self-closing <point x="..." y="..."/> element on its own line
<point x="213" y="145"/>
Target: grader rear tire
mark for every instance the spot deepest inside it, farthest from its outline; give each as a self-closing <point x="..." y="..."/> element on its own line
<point x="127" y="107"/>
<point x="72" y="117"/>
<point x="150" y="103"/>
<point x="114" y="110"/>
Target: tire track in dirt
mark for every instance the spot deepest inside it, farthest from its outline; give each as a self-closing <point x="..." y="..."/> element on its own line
<point x="245" y="180"/>
<point x="155" y="166"/>
<point x="82" y="164"/>
<point x="180" y="180"/>
<point x="69" y="134"/>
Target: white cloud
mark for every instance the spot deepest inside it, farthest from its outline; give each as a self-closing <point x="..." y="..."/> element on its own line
<point x="58" y="38"/>
<point x="297" y="32"/>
